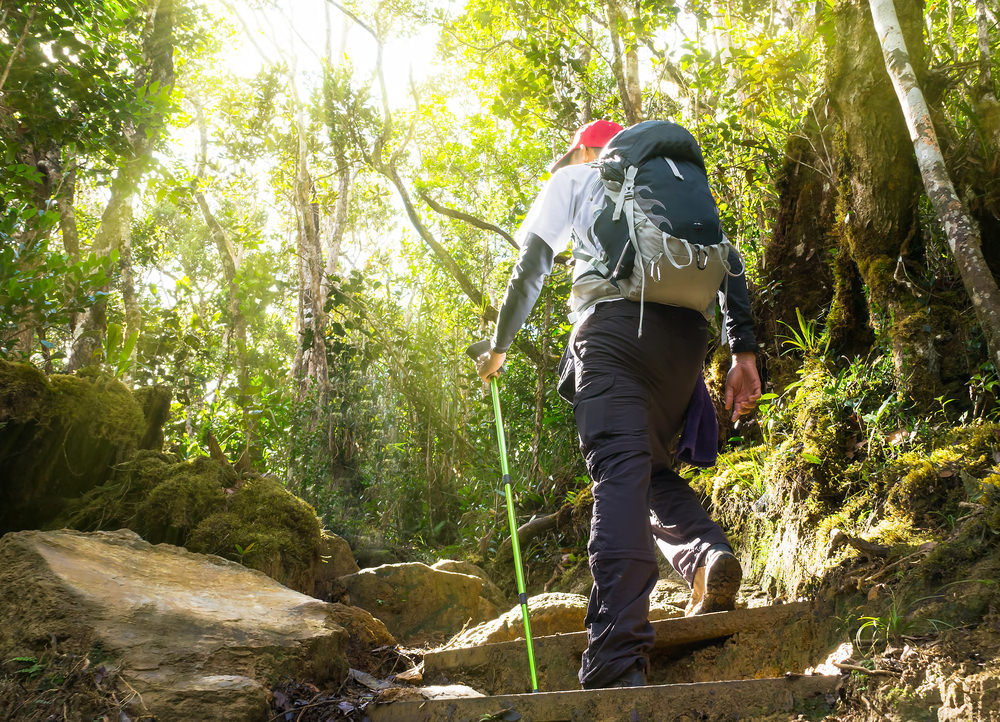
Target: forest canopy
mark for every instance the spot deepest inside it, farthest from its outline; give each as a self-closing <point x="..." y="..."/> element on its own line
<point x="297" y="216"/>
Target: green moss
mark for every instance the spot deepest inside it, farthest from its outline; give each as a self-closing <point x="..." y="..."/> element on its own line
<point x="113" y="505"/>
<point x="847" y="323"/>
<point x="283" y="530"/>
<point x="850" y="517"/>
<point x="190" y="492"/>
<point x="24" y="394"/>
<point x="926" y="487"/>
<point x="100" y="401"/>
<point x="60" y="436"/>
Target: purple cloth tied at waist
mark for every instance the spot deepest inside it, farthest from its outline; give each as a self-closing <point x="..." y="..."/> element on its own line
<point x="699" y="444"/>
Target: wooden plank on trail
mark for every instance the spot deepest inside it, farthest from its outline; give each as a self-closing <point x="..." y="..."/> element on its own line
<point x="739" y="699"/>
<point x="676" y="632"/>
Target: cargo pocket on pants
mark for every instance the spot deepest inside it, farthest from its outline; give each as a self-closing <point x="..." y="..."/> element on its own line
<point x="592" y="408"/>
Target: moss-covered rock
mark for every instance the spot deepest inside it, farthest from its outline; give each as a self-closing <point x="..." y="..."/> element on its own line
<point x="266" y="527"/>
<point x="173" y="508"/>
<point x="926" y="487"/>
<point x="115" y="503"/>
<point x="155" y="403"/>
<point x="59" y="437"/>
<point x="203" y="505"/>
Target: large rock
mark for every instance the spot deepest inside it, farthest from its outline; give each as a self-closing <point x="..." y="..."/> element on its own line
<point x="60" y="435"/>
<point x="204" y="505"/>
<point x="417" y="603"/>
<point x="550" y="613"/>
<point x="198" y="637"/>
<point x="490" y="590"/>
<point x="336" y="560"/>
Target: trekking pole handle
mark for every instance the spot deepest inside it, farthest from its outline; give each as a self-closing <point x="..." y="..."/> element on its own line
<point x="478" y="348"/>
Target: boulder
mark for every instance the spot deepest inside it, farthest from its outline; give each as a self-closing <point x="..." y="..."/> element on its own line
<point x="198" y="637"/>
<point x="369" y="557"/>
<point x="204" y="505"/>
<point x="60" y="436"/>
<point x="417" y="603"/>
<point x="365" y="633"/>
<point x="550" y="613"/>
<point x="490" y="590"/>
<point x="668" y="598"/>
<point x="336" y="560"/>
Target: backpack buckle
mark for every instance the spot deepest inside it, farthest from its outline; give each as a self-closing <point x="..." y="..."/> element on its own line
<point x="701" y="257"/>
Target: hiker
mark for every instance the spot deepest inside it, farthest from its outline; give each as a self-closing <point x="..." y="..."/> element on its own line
<point x="636" y="369"/>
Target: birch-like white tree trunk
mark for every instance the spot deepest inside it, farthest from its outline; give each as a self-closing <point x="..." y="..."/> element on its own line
<point x="962" y="232"/>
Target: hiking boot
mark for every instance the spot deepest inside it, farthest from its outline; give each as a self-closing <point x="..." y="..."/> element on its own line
<point x="716" y="583"/>
<point x="635" y="676"/>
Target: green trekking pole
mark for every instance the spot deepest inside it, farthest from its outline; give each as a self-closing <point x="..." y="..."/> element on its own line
<point x="475" y="351"/>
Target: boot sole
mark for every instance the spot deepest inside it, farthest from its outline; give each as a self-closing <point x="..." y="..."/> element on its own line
<point x="722" y="582"/>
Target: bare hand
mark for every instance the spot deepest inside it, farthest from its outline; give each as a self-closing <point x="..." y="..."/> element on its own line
<point x="742" y="384"/>
<point x="489" y="363"/>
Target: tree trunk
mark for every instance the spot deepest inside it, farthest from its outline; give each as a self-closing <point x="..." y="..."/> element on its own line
<point x="878" y="191"/>
<point x="338" y="224"/>
<point x="115" y="221"/>
<point x="963" y="235"/>
<point x="312" y="365"/>
<point x="987" y="107"/>
<point x="449" y="263"/>
<point x="624" y="64"/>
<point x="229" y="258"/>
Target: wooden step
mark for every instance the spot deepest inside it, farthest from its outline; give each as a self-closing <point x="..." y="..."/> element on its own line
<point x="502" y="667"/>
<point x="742" y="699"/>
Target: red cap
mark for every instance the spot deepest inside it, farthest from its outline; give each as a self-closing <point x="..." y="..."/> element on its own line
<point x="594" y="134"/>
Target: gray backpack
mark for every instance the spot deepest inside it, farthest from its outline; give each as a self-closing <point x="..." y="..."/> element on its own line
<point x="659" y="232"/>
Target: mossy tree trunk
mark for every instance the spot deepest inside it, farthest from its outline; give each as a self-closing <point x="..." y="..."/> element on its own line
<point x="803" y="266"/>
<point x="963" y="234"/>
<point x="310" y="367"/>
<point x="849" y="217"/>
<point x="878" y="195"/>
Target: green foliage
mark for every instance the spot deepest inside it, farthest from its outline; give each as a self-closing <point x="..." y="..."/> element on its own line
<point x="395" y="445"/>
<point x="880" y="631"/>
<point x="31" y="668"/>
<point x="807" y="339"/>
<point x="73" y="82"/>
<point x="43" y="290"/>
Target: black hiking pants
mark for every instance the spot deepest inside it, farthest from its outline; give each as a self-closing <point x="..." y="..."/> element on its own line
<point x="631" y="397"/>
